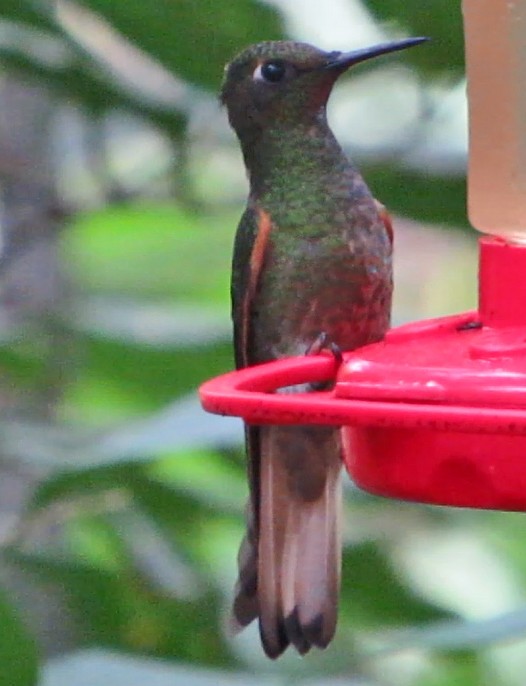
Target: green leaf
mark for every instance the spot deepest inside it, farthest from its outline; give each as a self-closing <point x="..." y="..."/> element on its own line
<point x="204" y="474"/>
<point x="134" y="381"/>
<point x="192" y="39"/>
<point x="504" y="533"/>
<point x="120" y="610"/>
<point x="72" y="485"/>
<point x="425" y="197"/>
<point x="177" y="513"/>
<point x="26" y="11"/>
<point x="373" y="593"/>
<point x="18" y="660"/>
<point x="458" y="669"/>
<point x="155" y="251"/>
<point x="440" y="20"/>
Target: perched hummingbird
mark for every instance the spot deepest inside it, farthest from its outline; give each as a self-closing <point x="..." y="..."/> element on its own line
<point x="312" y="257"/>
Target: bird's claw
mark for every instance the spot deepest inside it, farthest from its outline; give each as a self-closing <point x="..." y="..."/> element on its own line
<point x="323" y="342"/>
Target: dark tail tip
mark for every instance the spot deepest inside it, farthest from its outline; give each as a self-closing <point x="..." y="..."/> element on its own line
<point x="318" y="633"/>
<point x="295" y="633"/>
<point x="274" y="641"/>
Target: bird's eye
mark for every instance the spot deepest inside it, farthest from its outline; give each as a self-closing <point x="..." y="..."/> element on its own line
<point x="272" y="72"/>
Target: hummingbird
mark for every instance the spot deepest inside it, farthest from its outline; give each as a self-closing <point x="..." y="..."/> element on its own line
<point x="312" y="261"/>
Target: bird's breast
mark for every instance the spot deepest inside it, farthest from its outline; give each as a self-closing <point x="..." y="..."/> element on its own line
<point x="333" y="277"/>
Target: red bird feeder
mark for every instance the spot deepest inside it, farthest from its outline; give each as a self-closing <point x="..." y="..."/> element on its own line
<point x="436" y="412"/>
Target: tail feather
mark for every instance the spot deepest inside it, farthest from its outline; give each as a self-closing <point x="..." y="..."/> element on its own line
<point x="246" y="604"/>
<point x="272" y="533"/>
<point x="296" y="562"/>
<point x="318" y="574"/>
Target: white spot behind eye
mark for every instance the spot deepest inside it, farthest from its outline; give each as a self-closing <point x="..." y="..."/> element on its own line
<point x="257" y="75"/>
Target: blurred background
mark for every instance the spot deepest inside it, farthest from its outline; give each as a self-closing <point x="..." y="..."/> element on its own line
<point x="120" y="500"/>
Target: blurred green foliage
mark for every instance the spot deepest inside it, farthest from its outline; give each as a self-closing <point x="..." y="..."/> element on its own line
<point x="133" y="496"/>
<point x="440" y="20"/>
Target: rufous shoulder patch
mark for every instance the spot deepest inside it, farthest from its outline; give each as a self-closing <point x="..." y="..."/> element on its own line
<point x="257" y="259"/>
<point x="385" y="217"/>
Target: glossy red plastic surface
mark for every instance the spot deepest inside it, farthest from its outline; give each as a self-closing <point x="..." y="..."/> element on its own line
<point x="435" y="412"/>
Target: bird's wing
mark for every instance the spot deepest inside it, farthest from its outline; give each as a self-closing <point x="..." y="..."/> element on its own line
<point x="249" y="253"/>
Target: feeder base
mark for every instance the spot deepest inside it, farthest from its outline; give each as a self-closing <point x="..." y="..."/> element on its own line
<point x="447" y="468"/>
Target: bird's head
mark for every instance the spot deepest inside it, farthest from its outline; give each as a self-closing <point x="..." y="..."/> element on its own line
<point x="286" y="82"/>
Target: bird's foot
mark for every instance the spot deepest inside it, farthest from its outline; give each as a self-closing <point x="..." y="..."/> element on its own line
<point x="323" y="342"/>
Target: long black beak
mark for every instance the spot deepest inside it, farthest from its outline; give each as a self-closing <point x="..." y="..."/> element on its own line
<point x="344" y="60"/>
